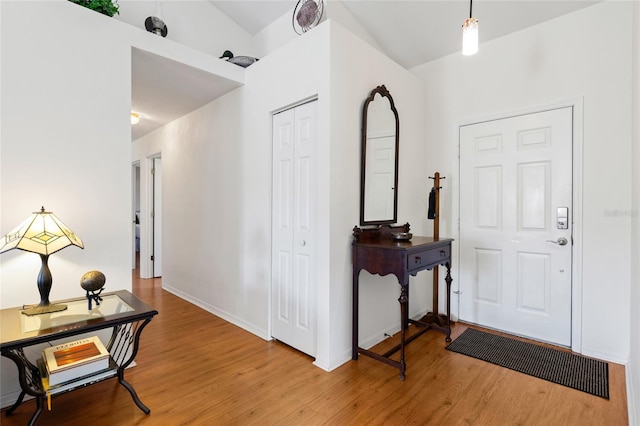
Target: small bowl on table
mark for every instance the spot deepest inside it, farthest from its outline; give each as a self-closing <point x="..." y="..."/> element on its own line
<point x="402" y="236"/>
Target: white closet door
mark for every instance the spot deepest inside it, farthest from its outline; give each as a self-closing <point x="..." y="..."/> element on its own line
<point x="293" y="306"/>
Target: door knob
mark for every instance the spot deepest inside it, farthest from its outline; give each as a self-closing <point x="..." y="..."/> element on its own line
<point x="562" y="241"/>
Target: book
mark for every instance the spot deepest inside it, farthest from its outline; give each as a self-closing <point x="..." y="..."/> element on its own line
<point x="51" y="390"/>
<point x="69" y="361"/>
<point x="75" y="383"/>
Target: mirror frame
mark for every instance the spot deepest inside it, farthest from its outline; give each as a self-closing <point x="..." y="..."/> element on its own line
<point x="384" y="93"/>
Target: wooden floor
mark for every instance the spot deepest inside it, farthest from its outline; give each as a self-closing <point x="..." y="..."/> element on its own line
<point x="196" y="369"/>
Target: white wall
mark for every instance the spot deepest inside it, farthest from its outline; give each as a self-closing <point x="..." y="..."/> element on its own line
<point x="356" y="69"/>
<point x="298" y="71"/>
<point x="341" y="71"/>
<point x="633" y="368"/>
<point x="217" y="173"/>
<point x="553" y="62"/>
<point x="217" y="160"/>
<point x="197" y="24"/>
<point x="281" y="32"/>
<point x="65" y="142"/>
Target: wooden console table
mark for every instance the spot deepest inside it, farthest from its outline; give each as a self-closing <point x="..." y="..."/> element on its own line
<point x="376" y="251"/>
<point x="120" y="311"/>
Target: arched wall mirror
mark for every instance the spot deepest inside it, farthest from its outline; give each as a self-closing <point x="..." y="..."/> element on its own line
<point x="379" y="169"/>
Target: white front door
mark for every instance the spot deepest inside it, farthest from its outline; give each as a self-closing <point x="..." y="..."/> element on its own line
<point x="293" y="299"/>
<point x="515" y="186"/>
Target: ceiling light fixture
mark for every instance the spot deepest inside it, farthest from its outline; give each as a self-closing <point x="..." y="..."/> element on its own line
<point x="135" y="118"/>
<point x="470" y="33"/>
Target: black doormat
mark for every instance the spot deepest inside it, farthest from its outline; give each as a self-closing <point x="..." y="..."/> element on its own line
<point x="575" y="371"/>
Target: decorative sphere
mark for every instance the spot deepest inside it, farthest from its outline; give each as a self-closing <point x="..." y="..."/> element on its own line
<point x="93" y="280"/>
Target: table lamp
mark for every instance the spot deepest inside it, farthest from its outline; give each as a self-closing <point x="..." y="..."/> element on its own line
<point x="45" y="234"/>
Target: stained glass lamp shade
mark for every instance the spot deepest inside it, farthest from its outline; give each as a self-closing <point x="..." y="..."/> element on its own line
<point x="42" y="233"/>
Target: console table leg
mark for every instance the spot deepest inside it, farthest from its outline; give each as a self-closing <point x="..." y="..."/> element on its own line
<point x="39" y="408"/>
<point x="36" y="414"/>
<point x="448" y="281"/>
<point x="404" y="321"/>
<point x="132" y="391"/>
<point x="134" y="352"/>
<point x="16" y="404"/>
<point x="354" y="319"/>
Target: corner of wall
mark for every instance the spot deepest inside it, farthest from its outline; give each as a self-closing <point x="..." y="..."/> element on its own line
<point x="633" y="366"/>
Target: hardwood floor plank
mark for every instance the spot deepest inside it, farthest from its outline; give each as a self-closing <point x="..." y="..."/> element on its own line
<point x="197" y="369"/>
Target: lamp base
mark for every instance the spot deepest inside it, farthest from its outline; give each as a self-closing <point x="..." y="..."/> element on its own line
<point x="43" y="309"/>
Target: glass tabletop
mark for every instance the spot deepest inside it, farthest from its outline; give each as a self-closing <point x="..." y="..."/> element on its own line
<point x="77" y="310"/>
<point x="18" y="330"/>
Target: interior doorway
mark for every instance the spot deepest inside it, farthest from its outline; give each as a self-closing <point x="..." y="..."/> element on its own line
<point x="156" y="218"/>
<point x="149" y="217"/>
<point x="135" y="216"/>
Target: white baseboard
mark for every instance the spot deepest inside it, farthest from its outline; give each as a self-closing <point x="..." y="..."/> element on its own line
<point x="604" y="356"/>
<point x="7" y="399"/>
<point x="251" y="328"/>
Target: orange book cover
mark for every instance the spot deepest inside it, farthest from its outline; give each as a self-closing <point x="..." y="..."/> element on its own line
<point x="74" y="359"/>
<point x="76" y="354"/>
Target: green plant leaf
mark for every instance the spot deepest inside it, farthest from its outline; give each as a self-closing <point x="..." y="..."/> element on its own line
<point x="106" y="7"/>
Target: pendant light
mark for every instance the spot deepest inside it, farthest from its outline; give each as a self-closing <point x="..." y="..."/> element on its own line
<point x="470" y="33"/>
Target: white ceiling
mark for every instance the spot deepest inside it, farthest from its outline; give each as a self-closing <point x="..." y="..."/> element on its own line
<point x="411" y="32"/>
<point x="254" y="15"/>
<point x="163" y="90"/>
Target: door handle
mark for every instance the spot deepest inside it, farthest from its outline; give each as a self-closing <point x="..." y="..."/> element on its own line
<point x="562" y="241"/>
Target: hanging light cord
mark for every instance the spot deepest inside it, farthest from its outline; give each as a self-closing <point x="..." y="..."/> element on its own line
<point x="470" y="9"/>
